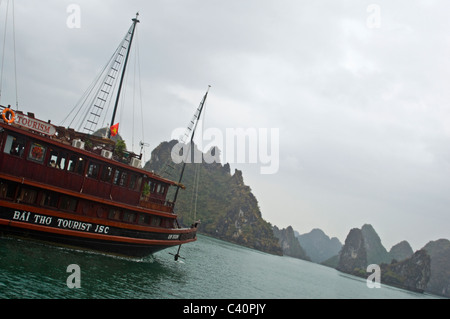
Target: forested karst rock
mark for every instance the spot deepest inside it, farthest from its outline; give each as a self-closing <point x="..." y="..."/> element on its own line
<point x="376" y="253"/>
<point x="439" y="251"/>
<point x="222" y="202"/>
<point x="401" y="251"/>
<point x="289" y="243"/>
<point x="412" y="273"/>
<point x="353" y="256"/>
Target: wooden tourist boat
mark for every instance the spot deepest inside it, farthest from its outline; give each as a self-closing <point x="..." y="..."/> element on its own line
<point x="72" y="188"/>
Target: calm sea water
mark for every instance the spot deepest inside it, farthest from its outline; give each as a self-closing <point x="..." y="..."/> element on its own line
<point x="212" y="269"/>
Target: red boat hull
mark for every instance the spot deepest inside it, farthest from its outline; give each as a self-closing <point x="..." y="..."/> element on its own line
<point x="100" y="237"/>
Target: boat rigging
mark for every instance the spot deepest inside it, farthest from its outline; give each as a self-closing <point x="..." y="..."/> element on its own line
<point x="75" y="188"/>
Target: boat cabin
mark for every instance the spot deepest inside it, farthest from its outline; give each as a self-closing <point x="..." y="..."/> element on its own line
<point x="63" y="173"/>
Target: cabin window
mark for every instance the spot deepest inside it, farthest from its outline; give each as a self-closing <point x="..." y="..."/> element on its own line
<point x="116" y="177"/>
<point x="76" y="164"/>
<point x="138" y="183"/>
<point x="57" y="159"/>
<point x="133" y="180"/>
<point x="49" y="199"/>
<point x="114" y="214"/>
<point x="71" y="163"/>
<point x="14" y="145"/>
<point x="120" y="178"/>
<point x="93" y="170"/>
<point x="101" y="212"/>
<point x="27" y="196"/>
<point x="68" y="203"/>
<point x="129" y="217"/>
<point x="123" y="179"/>
<point x="3" y="190"/>
<point x="62" y="160"/>
<point x="53" y="159"/>
<point x="80" y="166"/>
<point x="107" y="173"/>
<point x="88" y="209"/>
<point x="156" y="221"/>
<point x="152" y="187"/>
<point x="7" y="190"/>
<point x="144" y="219"/>
<point x="167" y="223"/>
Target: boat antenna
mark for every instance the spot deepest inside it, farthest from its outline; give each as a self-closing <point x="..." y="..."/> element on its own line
<point x="194" y="122"/>
<point x="135" y="21"/>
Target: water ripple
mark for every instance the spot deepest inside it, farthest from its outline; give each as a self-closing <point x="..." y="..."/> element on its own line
<point x="212" y="269"/>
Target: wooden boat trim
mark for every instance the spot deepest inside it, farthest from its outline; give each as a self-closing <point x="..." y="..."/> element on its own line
<point x="86" y="219"/>
<point x="103" y="237"/>
<point x="22" y="180"/>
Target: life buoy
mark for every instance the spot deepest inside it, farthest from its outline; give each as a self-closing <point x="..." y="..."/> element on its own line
<point x="11" y="118"/>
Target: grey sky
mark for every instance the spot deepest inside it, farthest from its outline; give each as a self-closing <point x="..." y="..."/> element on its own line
<point x="363" y="111"/>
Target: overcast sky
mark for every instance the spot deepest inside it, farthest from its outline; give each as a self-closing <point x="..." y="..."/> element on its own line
<point x="358" y="91"/>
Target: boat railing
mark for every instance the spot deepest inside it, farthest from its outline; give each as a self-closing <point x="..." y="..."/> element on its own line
<point x="157" y="204"/>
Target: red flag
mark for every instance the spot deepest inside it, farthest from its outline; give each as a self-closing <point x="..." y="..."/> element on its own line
<point x="114" y="130"/>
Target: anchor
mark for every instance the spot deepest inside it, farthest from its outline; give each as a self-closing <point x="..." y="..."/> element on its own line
<point x="177" y="255"/>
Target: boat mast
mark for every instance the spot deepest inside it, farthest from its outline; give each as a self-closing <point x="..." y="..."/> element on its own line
<point x="135" y="21"/>
<point x="197" y="118"/>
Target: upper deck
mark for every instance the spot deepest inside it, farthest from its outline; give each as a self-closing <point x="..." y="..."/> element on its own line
<point x="80" y="163"/>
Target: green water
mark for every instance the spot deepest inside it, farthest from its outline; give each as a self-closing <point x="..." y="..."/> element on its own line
<point x="212" y="269"/>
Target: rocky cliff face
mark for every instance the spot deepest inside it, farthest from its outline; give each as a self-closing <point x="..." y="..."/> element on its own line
<point x="376" y="253"/>
<point x="289" y="243"/>
<point x="223" y="203"/>
<point x="439" y="251"/>
<point x="401" y="251"/>
<point x="353" y="256"/>
<point x="413" y="273"/>
<point x="318" y="246"/>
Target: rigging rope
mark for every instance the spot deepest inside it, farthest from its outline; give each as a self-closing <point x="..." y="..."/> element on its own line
<point x="198" y="167"/>
<point x="94" y="104"/>
<point x="137" y="89"/>
<point x="133" y="102"/>
<point x="14" y="50"/>
<point x="15" y="60"/>
<point x="82" y="101"/>
<point x="140" y="94"/>
<point x="122" y="100"/>
<point x="3" y="51"/>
